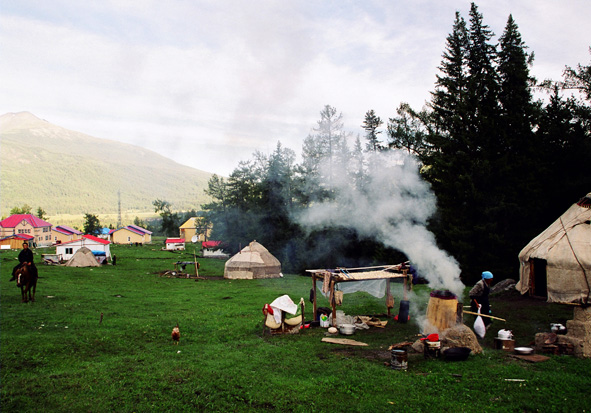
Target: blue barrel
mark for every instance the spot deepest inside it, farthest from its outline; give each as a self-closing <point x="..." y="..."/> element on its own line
<point x="403" y="312"/>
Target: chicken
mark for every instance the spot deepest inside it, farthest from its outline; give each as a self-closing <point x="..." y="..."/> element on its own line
<point x="176" y="334"/>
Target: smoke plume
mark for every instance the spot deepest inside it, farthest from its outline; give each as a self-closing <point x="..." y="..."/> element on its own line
<point x="392" y="206"/>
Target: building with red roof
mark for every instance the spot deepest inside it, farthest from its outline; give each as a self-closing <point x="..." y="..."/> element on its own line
<point x="97" y="245"/>
<point x="131" y="234"/>
<point x="27" y="224"/>
<point x="63" y="233"/>
<point x="173" y="244"/>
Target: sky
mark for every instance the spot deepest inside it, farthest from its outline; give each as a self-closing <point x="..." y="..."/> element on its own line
<point x="208" y="83"/>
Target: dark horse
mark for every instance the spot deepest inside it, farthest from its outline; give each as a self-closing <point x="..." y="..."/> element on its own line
<point x="27" y="281"/>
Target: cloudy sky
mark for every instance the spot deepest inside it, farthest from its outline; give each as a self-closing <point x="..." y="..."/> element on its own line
<point x="206" y="83"/>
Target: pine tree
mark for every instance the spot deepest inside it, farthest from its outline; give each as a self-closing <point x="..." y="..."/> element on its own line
<point x="371" y="124"/>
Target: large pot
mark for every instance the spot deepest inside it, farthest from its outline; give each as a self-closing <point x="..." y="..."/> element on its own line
<point x="457" y="353"/>
<point x="347" y="329"/>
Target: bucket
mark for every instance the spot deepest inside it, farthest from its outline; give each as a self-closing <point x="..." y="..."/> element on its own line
<point x="403" y="312"/>
<point x="399" y="359"/>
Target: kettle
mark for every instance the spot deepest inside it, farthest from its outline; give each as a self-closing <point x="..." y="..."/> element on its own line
<point x="505" y="334"/>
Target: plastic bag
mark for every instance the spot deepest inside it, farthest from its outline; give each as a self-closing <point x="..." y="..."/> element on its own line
<point x="479" y="327"/>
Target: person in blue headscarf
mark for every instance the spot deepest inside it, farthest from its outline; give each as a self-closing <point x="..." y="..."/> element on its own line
<point x="479" y="296"/>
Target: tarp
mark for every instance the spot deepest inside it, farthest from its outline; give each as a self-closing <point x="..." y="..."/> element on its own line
<point x="83" y="258"/>
<point x="566" y="247"/>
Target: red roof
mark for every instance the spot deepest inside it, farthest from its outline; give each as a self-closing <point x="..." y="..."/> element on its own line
<point x="139" y="229"/>
<point x="25" y="237"/>
<point x="64" y="229"/>
<point x="175" y="240"/>
<point x="97" y="239"/>
<point x="13" y="220"/>
<point x="210" y="244"/>
<point x="90" y="238"/>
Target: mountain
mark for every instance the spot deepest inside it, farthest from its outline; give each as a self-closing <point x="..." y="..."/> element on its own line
<point x="68" y="172"/>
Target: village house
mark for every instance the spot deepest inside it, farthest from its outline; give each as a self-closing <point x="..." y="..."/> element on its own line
<point x="97" y="245"/>
<point x="174" y="244"/>
<point x="27" y="224"/>
<point x="131" y="234"/>
<point x="15" y="241"/>
<point x="193" y="230"/>
<point x="63" y="233"/>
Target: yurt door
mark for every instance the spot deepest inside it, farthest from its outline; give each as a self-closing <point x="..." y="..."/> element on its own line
<point x="539" y="287"/>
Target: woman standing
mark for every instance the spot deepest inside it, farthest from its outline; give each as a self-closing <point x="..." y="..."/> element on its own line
<point x="479" y="296"/>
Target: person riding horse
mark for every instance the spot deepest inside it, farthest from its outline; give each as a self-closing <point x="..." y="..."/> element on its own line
<point x="25" y="257"/>
<point x="26" y="280"/>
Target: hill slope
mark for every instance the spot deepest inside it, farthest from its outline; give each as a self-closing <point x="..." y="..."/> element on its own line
<point x="68" y="172"/>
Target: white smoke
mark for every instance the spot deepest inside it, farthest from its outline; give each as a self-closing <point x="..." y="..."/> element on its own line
<point x="393" y="207"/>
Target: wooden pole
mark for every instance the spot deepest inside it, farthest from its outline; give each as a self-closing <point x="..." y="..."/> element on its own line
<point x="388" y="296"/>
<point x="333" y="303"/>
<point x="314" y="302"/>
<point x="195" y="258"/>
<point x="484" y="315"/>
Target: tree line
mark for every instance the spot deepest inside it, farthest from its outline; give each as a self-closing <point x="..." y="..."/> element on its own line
<point x="502" y="164"/>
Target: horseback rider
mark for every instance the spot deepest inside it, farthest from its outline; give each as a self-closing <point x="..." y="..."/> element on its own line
<point x="25" y="257"/>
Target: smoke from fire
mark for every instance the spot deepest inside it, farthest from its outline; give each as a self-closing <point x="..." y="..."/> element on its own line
<point x="393" y="206"/>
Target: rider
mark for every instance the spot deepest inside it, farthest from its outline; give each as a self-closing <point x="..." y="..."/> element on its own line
<point x="25" y="257"/>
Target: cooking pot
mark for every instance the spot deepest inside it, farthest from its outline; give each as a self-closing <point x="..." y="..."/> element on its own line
<point x="347" y="329"/>
<point x="505" y="335"/>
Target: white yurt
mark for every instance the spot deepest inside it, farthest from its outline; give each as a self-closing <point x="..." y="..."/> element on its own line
<point x="557" y="263"/>
<point x="253" y="261"/>
<point x="83" y="258"/>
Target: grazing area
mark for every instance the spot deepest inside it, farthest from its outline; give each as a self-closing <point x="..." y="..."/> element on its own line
<point x="99" y="339"/>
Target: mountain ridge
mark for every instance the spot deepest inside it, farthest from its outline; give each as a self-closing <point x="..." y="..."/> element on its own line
<point x="69" y="172"/>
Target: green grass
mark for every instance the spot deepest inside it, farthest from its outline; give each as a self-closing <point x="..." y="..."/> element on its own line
<point x="56" y="356"/>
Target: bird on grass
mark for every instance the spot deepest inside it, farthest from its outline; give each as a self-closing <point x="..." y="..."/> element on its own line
<point x="176" y="334"/>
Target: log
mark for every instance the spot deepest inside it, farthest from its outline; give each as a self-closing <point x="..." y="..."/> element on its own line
<point x="343" y="341"/>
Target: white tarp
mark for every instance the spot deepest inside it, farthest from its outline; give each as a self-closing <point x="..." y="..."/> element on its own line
<point x="377" y="288"/>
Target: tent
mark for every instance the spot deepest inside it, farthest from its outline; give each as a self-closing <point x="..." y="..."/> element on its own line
<point x="83" y="258"/>
<point x="253" y="261"/>
<point x="557" y="263"/>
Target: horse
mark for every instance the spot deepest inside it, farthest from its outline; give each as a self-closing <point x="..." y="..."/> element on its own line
<point x="26" y="280"/>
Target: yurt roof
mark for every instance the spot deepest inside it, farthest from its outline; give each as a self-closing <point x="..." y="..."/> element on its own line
<point x="255" y="254"/>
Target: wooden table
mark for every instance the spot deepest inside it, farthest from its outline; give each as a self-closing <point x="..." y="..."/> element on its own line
<point x="343" y="275"/>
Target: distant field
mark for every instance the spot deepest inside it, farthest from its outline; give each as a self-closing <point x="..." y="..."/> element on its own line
<point x="106" y="220"/>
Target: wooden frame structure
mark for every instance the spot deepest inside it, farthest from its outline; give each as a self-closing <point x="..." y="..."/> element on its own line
<point x="340" y="275"/>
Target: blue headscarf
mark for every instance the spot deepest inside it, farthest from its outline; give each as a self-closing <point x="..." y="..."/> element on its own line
<point x="486" y="275"/>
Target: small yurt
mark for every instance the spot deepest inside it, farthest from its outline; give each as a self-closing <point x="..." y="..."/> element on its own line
<point x="557" y="263"/>
<point x="253" y="261"/>
<point x="83" y="258"/>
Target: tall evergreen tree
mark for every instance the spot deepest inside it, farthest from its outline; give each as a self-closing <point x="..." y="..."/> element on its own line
<point x="371" y="124"/>
<point x="449" y="98"/>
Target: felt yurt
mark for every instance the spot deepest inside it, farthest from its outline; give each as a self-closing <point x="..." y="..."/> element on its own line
<point x="253" y="261"/>
<point x="83" y="258"/>
<point x="557" y="263"/>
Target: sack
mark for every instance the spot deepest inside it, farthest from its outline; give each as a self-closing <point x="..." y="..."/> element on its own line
<point x="479" y="327"/>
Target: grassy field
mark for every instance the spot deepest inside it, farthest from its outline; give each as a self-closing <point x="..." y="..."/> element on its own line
<point x="57" y="356"/>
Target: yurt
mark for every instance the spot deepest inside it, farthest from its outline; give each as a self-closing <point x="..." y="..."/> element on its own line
<point x="557" y="263"/>
<point x="253" y="261"/>
<point x="83" y="258"/>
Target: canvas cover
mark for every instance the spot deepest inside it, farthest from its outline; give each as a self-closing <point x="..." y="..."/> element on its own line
<point x="253" y="261"/>
<point x="566" y="247"/>
<point x="83" y="258"/>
